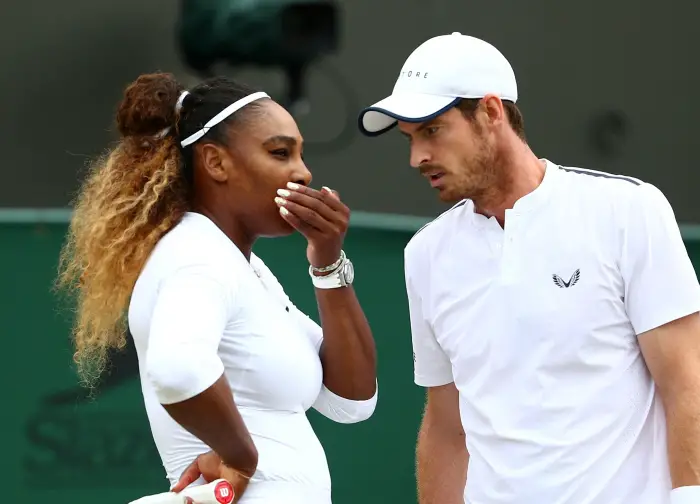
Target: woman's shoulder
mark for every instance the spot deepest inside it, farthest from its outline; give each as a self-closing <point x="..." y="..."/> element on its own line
<point x="195" y="240"/>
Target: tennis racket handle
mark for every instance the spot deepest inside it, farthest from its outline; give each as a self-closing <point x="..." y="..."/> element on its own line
<point x="217" y="492"/>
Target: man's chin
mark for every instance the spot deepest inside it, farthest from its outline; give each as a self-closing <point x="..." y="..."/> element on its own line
<point x="447" y="196"/>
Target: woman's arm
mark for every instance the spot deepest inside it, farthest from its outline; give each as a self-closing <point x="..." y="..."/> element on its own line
<point x="329" y="404"/>
<point x="184" y="368"/>
<point x="212" y="417"/>
<point x="348" y="352"/>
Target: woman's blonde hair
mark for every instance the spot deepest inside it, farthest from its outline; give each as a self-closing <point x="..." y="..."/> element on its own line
<point x="131" y="197"/>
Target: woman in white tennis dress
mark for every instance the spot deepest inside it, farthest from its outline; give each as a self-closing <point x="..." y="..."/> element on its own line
<point x="162" y="239"/>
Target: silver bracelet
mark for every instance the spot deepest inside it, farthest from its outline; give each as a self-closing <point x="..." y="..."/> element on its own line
<point x="332" y="267"/>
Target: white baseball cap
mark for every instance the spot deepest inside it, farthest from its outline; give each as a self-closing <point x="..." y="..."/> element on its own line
<point x="436" y="76"/>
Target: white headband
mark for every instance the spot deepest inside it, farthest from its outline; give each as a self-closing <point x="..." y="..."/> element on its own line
<point x="237" y="105"/>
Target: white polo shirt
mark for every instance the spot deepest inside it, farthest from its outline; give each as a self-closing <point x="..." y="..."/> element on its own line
<point x="537" y="324"/>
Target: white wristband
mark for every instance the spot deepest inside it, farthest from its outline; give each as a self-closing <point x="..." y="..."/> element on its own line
<point x="686" y="495"/>
<point x="331" y="281"/>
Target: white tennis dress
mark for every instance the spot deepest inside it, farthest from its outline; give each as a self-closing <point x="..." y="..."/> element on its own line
<point x="200" y="309"/>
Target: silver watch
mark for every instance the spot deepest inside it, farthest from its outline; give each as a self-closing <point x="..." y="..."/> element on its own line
<point x="342" y="276"/>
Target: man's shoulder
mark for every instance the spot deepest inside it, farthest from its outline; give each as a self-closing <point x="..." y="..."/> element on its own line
<point x="605" y="191"/>
<point x="434" y="229"/>
<point x="586" y="178"/>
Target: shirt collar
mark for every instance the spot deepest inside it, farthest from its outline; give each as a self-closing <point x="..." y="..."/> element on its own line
<point x="526" y="203"/>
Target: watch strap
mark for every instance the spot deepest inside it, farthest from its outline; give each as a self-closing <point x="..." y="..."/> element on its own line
<point x="330" y="281"/>
<point x="338" y="277"/>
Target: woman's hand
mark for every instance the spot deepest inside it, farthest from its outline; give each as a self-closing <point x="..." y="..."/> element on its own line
<point x="210" y="467"/>
<point x="318" y="215"/>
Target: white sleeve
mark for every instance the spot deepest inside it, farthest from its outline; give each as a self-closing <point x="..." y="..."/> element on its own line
<point x="431" y="366"/>
<point x="660" y="282"/>
<point x="342" y="410"/>
<point x="187" y="323"/>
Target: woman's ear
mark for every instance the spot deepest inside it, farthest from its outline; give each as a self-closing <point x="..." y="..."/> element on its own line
<point x="216" y="161"/>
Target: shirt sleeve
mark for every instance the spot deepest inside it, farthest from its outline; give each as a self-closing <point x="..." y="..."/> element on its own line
<point x="187" y="323"/>
<point x="431" y="366"/>
<point x="342" y="410"/>
<point x="660" y="281"/>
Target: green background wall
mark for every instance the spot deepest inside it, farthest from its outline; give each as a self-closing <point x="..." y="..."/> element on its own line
<point x="69" y="450"/>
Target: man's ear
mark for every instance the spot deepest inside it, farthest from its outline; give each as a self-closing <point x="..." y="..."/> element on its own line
<point x="492" y="106"/>
<point x="216" y="161"/>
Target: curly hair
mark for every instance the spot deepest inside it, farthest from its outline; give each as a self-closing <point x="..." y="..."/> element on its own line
<point x="131" y="198"/>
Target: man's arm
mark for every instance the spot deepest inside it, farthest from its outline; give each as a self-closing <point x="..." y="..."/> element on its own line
<point x="672" y="354"/>
<point x="441" y="455"/>
<point x="662" y="300"/>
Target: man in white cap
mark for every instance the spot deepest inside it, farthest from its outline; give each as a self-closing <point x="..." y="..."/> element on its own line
<point x="554" y="310"/>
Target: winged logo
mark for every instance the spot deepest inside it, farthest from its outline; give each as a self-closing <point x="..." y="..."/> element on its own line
<point x="565" y="285"/>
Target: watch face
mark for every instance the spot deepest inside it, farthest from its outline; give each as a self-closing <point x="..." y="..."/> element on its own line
<point x="349" y="272"/>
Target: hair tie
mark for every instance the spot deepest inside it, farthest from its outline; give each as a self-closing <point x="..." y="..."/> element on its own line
<point x="178" y="107"/>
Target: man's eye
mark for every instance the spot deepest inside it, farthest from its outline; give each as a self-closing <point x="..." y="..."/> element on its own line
<point x="282" y="153"/>
<point x="431" y="130"/>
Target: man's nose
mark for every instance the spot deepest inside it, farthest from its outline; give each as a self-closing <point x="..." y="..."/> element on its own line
<point x="419" y="156"/>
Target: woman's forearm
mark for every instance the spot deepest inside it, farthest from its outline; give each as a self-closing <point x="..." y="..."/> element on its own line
<point x="348" y="353"/>
<point x="212" y="417"/>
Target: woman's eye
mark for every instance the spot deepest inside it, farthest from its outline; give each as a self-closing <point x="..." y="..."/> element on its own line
<point x="431" y="130"/>
<point x="282" y="153"/>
